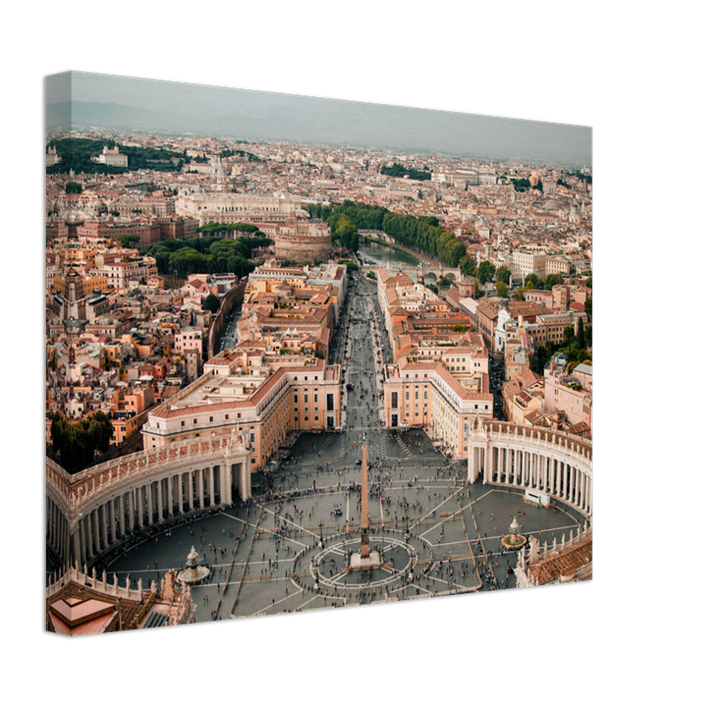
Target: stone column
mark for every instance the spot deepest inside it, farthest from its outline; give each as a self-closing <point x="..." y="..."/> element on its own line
<point x="122" y="509"/>
<point x="212" y="484"/>
<point x="85" y="525"/>
<point x="113" y="528"/>
<point x="580" y="488"/>
<point x="201" y="486"/>
<point x="95" y="535"/>
<point x="102" y="529"/>
<point x="76" y="546"/>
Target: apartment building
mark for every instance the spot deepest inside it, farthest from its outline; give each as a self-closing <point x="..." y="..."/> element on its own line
<point x="121" y="270"/>
<point x="189" y="339"/>
<point x="426" y="394"/>
<point x="526" y="262"/>
<point x="240" y="392"/>
<point x="555" y="300"/>
<point x="569" y="393"/>
<point x="551" y="327"/>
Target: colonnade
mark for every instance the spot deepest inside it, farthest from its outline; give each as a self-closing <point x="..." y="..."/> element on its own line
<point x="555" y="463"/>
<point x="91" y="512"/>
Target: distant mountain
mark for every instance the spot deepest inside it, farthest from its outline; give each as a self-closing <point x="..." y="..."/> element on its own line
<point x="273" y="117"/>
<point x="109" y="115"/>
<point x="198" y="119"/>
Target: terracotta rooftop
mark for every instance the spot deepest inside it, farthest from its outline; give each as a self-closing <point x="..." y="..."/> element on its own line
<point x="564" y="564"/>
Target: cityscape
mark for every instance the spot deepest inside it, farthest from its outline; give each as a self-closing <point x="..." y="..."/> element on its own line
<point x="286" y="375"/>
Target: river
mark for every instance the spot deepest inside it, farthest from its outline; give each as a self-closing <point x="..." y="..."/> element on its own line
<point x="383" y="256"/>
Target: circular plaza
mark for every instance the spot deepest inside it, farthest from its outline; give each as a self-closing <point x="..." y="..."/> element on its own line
<point x="287" y="548"/>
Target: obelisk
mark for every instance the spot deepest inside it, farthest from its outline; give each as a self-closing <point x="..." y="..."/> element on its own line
<point x="364" y="521"/>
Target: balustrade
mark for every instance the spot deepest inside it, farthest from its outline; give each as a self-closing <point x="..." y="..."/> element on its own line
<point x="90" y="512"/>
<point x="555" y="462"/>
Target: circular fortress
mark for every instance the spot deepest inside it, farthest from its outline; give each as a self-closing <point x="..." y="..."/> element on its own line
<point x="303" y="241"/>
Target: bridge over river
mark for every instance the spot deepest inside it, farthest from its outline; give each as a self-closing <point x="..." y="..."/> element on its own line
<point x="373" y="255"/>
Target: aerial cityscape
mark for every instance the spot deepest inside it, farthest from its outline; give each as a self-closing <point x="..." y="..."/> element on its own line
<point x="291" y="374"/>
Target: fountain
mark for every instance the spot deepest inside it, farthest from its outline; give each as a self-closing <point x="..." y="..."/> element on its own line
<point x="195" y="573"/>
<point x="514" y="541"/>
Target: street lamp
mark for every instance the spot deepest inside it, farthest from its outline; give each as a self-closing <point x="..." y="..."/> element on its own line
<point x="321" y="543"/>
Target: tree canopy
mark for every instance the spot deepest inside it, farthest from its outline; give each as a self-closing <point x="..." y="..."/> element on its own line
<point x="398" y="170"/>
<point x="212" y="303"/>
<point x="77" y="154"/>
<point x="344" y="230"/>
<point x="421" y="233"/>
<point x="77" y="442"/>
<point x="206" y="255"/>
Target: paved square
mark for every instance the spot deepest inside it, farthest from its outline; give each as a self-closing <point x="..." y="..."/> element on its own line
<point x="266" y="556"/>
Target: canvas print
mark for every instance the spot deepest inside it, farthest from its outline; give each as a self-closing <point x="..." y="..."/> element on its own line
<point x="306" y="354"/>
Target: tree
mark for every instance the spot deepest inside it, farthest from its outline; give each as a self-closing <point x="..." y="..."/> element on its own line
<point x="502" y="289"/>
<point x="344" y="230"/>
<point x="212" y="303"/>
<point x="73" y="188"/>
<point x="581" y="334"/>
<point x="531" y="281"/>
<point x="568" y="333"/>
<point x="503" y="274"/>
<point x="552" y="279"/>
<point x="76" y="443"/>
<point x="588" y="308"/>
<point x="485" y="272"/>
<point x="466" y="265"/>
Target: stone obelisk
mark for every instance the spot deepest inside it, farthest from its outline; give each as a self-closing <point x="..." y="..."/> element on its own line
<point x="364" y="521"/>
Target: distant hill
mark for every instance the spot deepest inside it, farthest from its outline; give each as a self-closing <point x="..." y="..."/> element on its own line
<point x="106" y="115"/>
<point x="77" y="154"/>
<point x="118" y="117"/>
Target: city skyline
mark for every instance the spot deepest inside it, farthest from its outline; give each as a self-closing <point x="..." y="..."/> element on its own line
<point x="79" y="99"/>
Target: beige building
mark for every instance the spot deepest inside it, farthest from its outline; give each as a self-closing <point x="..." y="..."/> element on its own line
<point x="218" y="207"/>
<point x="238" y="391"/>
<point x="570" y="393"/>
<point x="427" y="395"/>
<point x="527" y="262"/>
<point x="112" y="157"/>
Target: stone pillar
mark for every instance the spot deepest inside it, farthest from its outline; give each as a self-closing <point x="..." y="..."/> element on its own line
<point x="102" y="529"/>
<point x="94" y="527"/>
<point x="201" y="487"/>
<point x="113" y="528"/>
<point x="365" y="518"/>
<point x="122" y="510"/>
<point x="83" y="539"/>
<point x="580" y="488"/>
<point x="131" y="508"/>
<point x="76" y="546"/>
<point x="160" y="496"/>
<point x="212" y="485"/>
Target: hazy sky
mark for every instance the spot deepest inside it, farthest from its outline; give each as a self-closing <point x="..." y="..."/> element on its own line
<point x="171" y="107"/>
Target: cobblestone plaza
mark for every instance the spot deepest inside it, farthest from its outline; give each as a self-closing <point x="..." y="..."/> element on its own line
<point x="286" y="550"/>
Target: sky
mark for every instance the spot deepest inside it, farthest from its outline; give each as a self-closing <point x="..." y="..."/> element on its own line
<point x="170" y="107"/>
